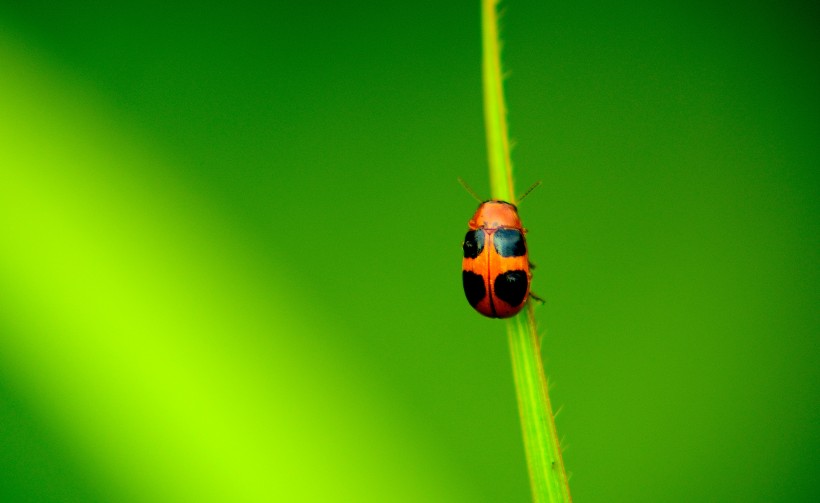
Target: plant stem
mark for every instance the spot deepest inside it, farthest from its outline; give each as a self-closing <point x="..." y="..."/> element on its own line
<point x="548" y="478"/>
<point x="495" y="112"/>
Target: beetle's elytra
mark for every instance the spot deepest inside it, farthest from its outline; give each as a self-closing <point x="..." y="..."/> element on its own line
<point x="495" y="270"/>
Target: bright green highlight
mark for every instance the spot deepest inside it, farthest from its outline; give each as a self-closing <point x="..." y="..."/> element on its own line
<point x="548" y="478"/>
<point x="178" y="374"/>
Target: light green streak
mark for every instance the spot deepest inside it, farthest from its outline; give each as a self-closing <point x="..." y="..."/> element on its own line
<point x="141" y="335"/>
<point x="548" y="477"/>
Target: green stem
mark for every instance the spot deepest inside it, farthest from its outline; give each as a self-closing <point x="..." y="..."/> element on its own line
<point x="495" y="112"/>
<point x="548" y="478"/>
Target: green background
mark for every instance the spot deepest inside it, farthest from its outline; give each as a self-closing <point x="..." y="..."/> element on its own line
<point x="230" y="248"/>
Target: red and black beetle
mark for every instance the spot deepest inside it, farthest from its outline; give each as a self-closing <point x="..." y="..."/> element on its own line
<point x="495" y="270"/>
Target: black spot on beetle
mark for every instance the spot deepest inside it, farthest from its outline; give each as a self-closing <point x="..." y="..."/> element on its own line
<point x="511" y="287"/>
<point x="473" y="287"/>
<point x="473" y="243"/>
<point x="509" y="243"/>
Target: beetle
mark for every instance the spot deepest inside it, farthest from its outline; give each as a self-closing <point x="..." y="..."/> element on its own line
<point x="495" y="270"/>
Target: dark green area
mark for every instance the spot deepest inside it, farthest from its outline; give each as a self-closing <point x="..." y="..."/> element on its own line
<point x="37" y="466"/>
<point x="675" y="235"/>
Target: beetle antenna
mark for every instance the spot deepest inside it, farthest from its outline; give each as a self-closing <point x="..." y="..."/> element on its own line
<point x="536" y="184"/>
<point x="469" y="189"/>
